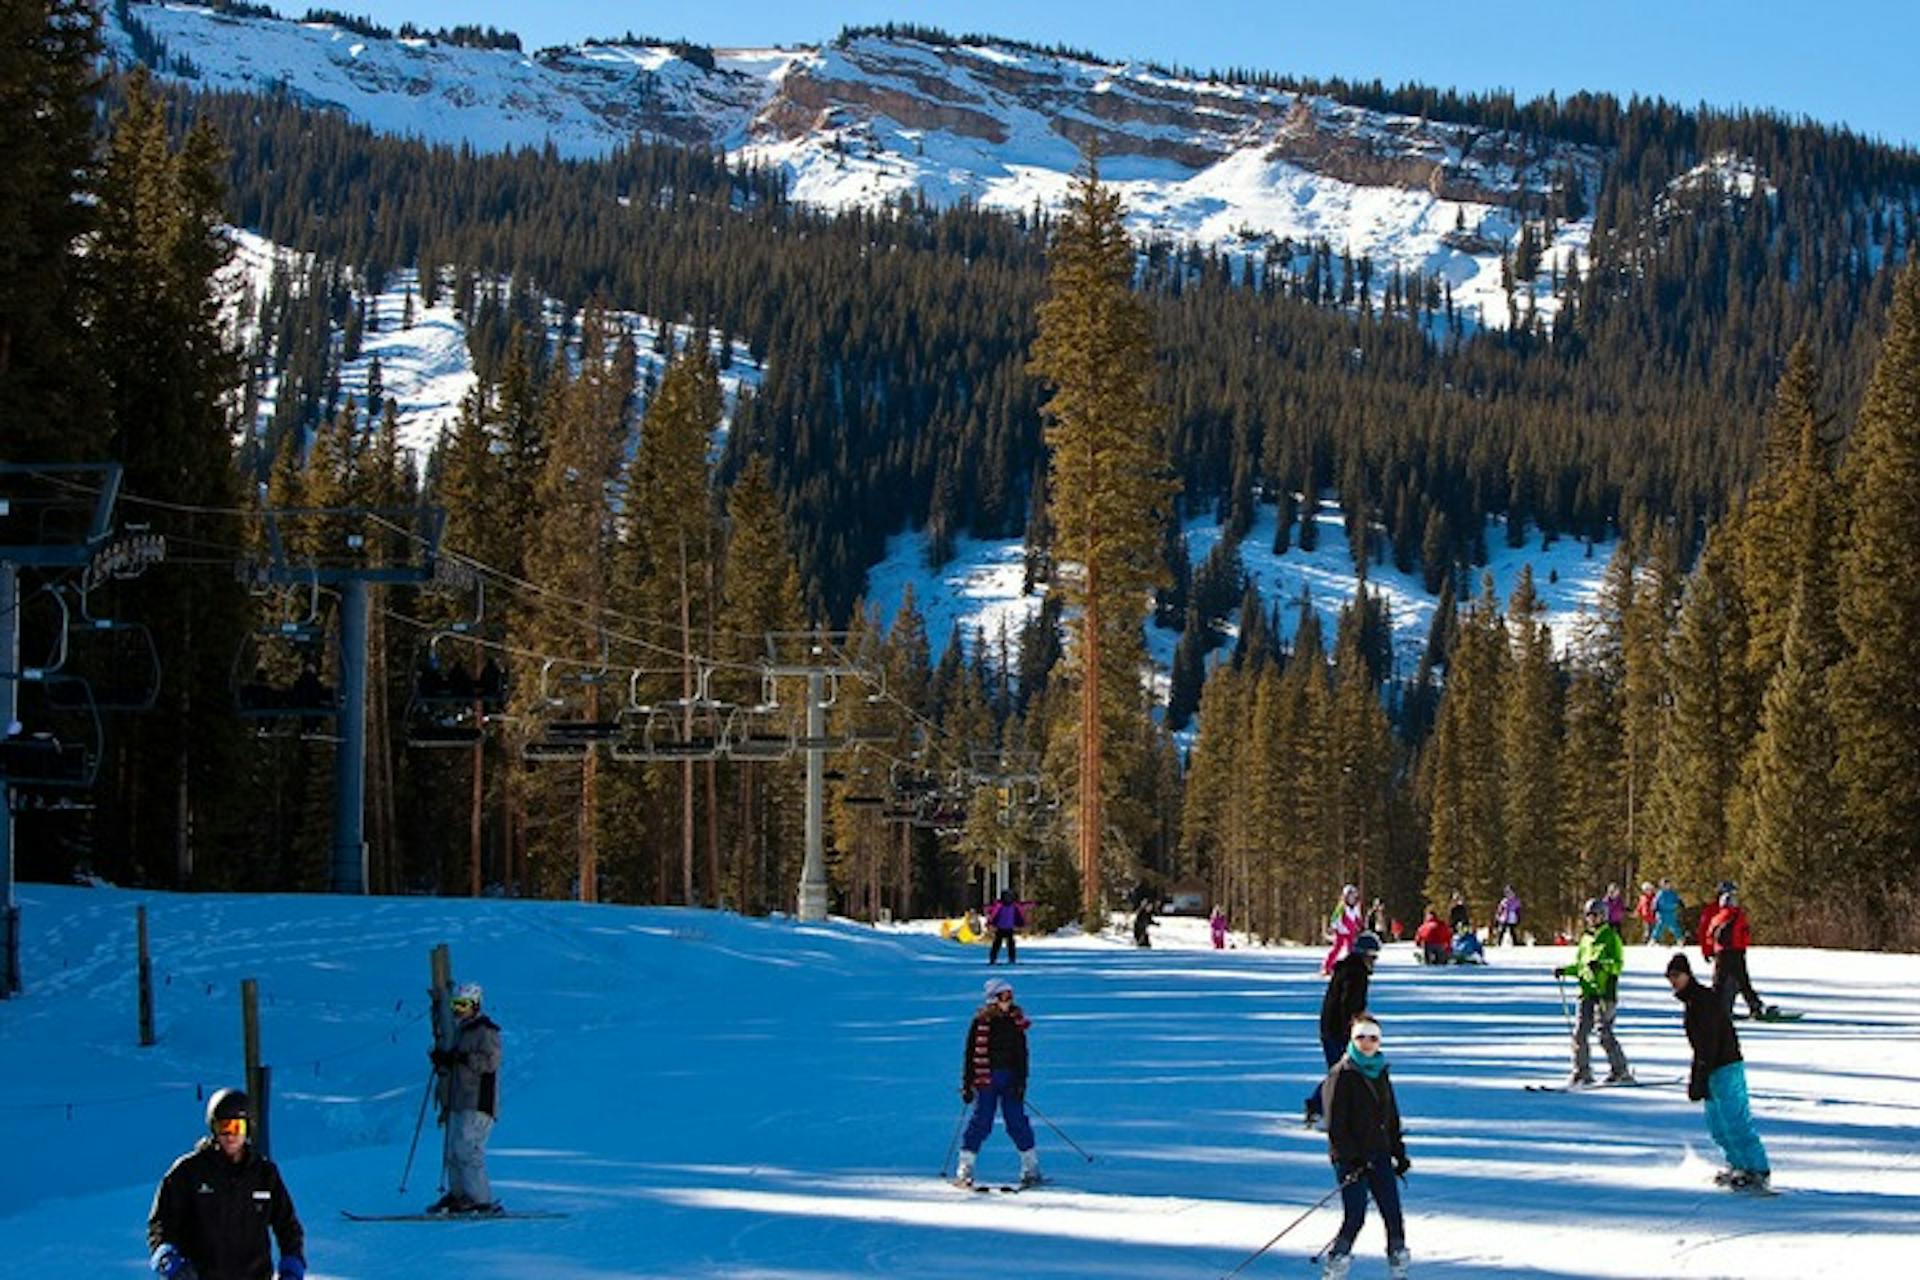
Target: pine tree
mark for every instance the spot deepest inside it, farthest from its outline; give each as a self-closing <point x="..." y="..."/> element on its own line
<point x="1107" y="484"/>
<point x="1876" y="686"/>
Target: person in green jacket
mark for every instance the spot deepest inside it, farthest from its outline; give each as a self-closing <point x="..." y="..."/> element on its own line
<point x="1597" y="965"/>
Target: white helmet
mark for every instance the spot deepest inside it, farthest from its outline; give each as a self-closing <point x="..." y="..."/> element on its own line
<point x="469" y="993"/>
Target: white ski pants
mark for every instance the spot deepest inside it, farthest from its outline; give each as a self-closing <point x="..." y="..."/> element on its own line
<point x="467" y="1135"/>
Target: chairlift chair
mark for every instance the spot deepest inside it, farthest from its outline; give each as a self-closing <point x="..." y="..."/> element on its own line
<point x="759" y="733"/>
<point x="121" y="658"/>
<point x="57" y="748"/>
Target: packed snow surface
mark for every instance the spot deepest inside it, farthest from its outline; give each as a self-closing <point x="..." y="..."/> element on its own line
<point x="711" y="1096"/>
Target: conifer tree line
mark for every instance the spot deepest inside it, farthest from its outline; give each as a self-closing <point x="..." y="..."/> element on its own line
<point x="1688" y="733"/>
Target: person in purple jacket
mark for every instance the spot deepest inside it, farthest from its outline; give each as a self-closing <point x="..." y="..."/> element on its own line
<point x="1616" y="908"/>
<point x="1506" y="918"/>
<point x="1005" y="917"/>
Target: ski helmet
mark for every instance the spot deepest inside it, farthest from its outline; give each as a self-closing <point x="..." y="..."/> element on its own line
<point x="1367" y="944"/>
<point x="469" y="993"/>
<point x="228" y="1104"/>
<point x="1726" y="886"/>
<point x="1595" y="907"/>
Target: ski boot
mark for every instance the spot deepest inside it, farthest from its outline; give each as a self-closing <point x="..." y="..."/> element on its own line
<point x="452" y="1202"/>
<point x="1398" y="1260"/>
<point x="963" y="1176"/>
<point x="1751" y="1180"/>
<point x="1335" y="1266"/>
<point x="1725" y="1177"/>
<point x="1030" y="1175"/>
<point x="1580" y="1080"/>
<point x="1622" y="1077"/>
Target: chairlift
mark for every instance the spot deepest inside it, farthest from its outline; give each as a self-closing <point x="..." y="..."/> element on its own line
<point x="574" y="728"/>
<point x="259" y="694"/>
<point x="121" y="659"/>
<point x="548" y="751"/>
<point x="759" y="733"/>
<point x="689" y="728"/>
<point x="55" y="751"/>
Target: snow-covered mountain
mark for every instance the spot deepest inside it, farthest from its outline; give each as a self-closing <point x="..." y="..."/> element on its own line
<point x="1240" y="167"/>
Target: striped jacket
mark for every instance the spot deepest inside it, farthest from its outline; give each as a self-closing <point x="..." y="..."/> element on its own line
<point x="996" y="1041"/>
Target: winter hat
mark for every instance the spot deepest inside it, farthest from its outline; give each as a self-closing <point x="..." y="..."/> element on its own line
<point x="1367" y="944"/>
<point x="1679" y="965"/>
<point x="995" y="986"/>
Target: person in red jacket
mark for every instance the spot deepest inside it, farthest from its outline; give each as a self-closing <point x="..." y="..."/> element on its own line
<point x="1725" y="936"/>
<point x="1434" y="939"/>
<point x="1644" y="910"/>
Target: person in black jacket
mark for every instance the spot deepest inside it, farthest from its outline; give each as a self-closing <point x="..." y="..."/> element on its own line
<point x="215" y="1206"/>
<point x="1719" y="1079"/>
<point x="1367" y="1148"/>
<point x="1345" y="1000"/>
<point x="993" y="1074"/>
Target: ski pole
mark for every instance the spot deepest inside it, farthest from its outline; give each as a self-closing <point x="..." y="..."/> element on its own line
<point x="1056" y="1128"/>
<point x="1338" y="1187"/>
<point x="1566" y="1010"/>
<point x="418" y="1121"/>
<point x="948" y="1159"/>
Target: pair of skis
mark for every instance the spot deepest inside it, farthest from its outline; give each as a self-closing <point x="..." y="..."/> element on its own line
<point x="1598" y="1085"/>
<point x="503" y="1215"/>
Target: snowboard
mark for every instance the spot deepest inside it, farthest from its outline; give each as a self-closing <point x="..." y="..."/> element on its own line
<point x="1775" y="1014"/>
<point x="510" y="1215"/>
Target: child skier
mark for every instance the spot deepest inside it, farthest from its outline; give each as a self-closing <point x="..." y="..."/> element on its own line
<point x="1347" y="925"/>
<point x="1643" y="910"/>
<point x="1597" y="965"/>
<point x="993" y="1074"/>
<point x="1506" y="918"/>
<point x="1367" y="1148"/>
<point x="1719" y="1079"/>
<point x="1217" y="926"/>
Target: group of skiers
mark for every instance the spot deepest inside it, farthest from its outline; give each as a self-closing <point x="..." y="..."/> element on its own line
<point x="218" y="1205"/>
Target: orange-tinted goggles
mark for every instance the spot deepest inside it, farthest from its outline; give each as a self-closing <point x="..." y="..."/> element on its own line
<point x="233" y="1127"/>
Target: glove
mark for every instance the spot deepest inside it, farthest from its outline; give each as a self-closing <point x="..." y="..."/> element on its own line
<point x="1401" y="1164"/>
<point x="171" y="1264"/>
<point x="1352" y="1169"/>
<point x="446" y="1058"/>
<point x="292" y="1267"/>
<point x="1697" y="1091"/>
<point x="966" y="1093"/>
<point x="1560" y="972"/>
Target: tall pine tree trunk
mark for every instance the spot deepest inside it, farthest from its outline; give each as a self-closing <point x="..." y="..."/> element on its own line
<point x="1090" y="744"/>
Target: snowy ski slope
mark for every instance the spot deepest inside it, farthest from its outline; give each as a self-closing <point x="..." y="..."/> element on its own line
<point x="709" y="1096"/>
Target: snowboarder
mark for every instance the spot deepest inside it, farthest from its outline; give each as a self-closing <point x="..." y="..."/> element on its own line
<point x="1597" y="965"/>
<point x="1666" y="914"/>
<point x="215" y="1206"/>
<point x="1346" y="926"/>
<point x="1643" y="910"/>
<point x="1724" y="940"/>
<point x="1345" y="1000"/>
<point x="1142" y="920"/>
<point x="1434" y="939"/>
<point x="1367" y="1148"/>
<point x="1506" y="918"/>
<point x="1217" y="925"/>
<point x="993" y="1073"/>
<point x="471" y="1068"/>
<point x="1719" y="1079"/>
<point x="1467" y="948"/>
<point x="1458" y="917"/>
<point x="1005" y="917"/>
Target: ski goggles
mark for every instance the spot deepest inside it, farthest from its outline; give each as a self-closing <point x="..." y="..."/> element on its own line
<point x="230" y="1127"/>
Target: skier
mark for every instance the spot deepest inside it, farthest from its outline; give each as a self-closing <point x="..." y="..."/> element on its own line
<point x="1345" y="1000"/>
<point x="1616" y="909"/>
<point x="1142" y="920"/>
<point x="1724" y="940"/>
<point x="1719" y="1079"/>
<point x="1666" y="914"/>
<point x="1643" y="910"/>
<point x="1367" y="1148"/>
<point x="1458" y="917"/>
<point x="1346" y="926"/>
<point x="1005" y="917"/>
<point x="993" y="1073"/>
<point x="1597" y="964"/>
<point x="1434" y="939"/>
<point x="471" y="1066"/>
<point x="1217" y="925"/>
<point x="215" y="1206"/>
<point x="1377" y="919"/>
<point x="1506" y="918"/>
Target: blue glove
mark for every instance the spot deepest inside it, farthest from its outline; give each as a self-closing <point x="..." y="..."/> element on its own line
<point x="172" y="1264"/>
<point x="292" y="1267"/>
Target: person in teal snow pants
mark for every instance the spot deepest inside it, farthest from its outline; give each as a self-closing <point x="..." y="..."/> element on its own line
<point x="1719" y="1079"/>
<point x="1666" y="915"/>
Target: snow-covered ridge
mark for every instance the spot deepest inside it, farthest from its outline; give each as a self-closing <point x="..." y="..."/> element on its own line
<point x="871" y="119"/>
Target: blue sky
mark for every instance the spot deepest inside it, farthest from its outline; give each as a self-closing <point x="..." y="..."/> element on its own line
<point x="1844" y="61"/>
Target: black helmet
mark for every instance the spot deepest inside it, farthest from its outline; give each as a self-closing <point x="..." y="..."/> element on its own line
<point x="1595" y="907"/>
<point x="229" y="1104"/>
<point x="1367" y="944"/>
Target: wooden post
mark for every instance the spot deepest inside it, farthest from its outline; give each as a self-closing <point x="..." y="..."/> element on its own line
<point x="440" y="962"/>
<point x="250" y="1036"/>
<point x="146" y="980"/>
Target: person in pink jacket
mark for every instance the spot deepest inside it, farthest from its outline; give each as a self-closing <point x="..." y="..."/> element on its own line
<point x="1348" y="922"/>
<point x="1218" y="924"/>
